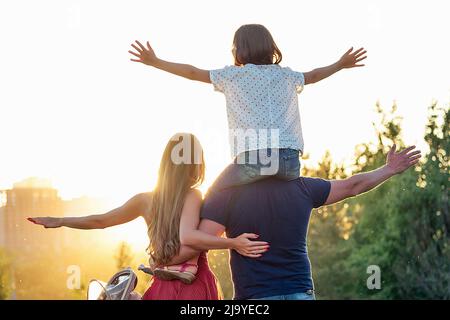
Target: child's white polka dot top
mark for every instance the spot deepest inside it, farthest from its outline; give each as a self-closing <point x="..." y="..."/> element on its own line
<point x="260" y="98"/>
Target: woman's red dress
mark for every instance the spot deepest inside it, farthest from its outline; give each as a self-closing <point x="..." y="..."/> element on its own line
<point x="204" y="287"/>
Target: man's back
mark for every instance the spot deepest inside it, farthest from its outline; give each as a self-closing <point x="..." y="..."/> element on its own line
<point x="279" y="212"/>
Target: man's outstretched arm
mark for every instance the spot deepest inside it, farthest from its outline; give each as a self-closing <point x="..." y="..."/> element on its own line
<point x="396" y="163"/>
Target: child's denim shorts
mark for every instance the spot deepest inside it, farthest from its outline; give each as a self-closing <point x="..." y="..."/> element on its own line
<point x="251" y="166"/>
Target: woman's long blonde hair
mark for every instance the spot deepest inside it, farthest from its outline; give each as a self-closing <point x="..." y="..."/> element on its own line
<point x="181" y="169"/>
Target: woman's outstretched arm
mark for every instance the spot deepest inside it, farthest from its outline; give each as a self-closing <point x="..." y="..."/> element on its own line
<point x="129" y="211"/>
<point x="147" y="56"/>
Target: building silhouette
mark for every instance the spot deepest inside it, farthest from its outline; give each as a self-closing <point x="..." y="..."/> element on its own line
<point x="36" y="197"/>
<point x="28" y="198"/>
<point x="27" y="244"/>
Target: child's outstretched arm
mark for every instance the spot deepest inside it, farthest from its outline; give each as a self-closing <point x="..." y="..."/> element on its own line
<point x="147" y="56"/>
<point x="348" y="60"/>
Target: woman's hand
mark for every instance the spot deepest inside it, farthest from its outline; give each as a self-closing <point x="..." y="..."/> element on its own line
<point x="145" y="55"/>
<point x="47" y="222"/>
<point x="248" y="248"/>
<point x="350" y="59"/>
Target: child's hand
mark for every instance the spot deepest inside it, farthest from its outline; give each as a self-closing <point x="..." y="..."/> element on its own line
<point x="350" y="59"/>
<point x="146" y="55"/>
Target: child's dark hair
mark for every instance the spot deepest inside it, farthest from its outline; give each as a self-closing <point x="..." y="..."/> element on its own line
<point x="254" y="44"/>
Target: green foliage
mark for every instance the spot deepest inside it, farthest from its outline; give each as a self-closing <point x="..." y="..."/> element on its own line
<point x="402" y="226"/>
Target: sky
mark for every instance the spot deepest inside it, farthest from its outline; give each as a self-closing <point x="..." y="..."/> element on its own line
<point x="75" y="110"/>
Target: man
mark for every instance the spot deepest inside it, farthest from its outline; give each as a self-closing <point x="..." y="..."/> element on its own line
<point x="279" y="212"/>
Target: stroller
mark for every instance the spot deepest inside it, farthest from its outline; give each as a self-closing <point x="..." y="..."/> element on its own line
<point x="119" y="287"/>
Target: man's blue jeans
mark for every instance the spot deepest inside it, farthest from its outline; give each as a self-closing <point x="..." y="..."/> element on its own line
<point x="309" y="295"/>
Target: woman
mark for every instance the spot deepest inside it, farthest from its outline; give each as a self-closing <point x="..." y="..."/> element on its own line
<point x="170" y="210"/>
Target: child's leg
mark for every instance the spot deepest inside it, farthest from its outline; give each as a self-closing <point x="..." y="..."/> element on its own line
<point x="185" y="272"/>
<point x="189" y="266"/>
<point x="289" y="164"/>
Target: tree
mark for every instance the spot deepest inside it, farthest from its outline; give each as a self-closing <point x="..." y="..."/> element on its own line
<point x="328" y="231"/>
<point x="124" y="256"/>
<point x="425" y="272"/>
<point x="402" y="226"/>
